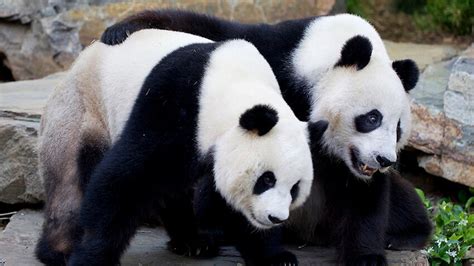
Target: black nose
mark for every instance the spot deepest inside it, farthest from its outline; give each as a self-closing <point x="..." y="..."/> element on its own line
<point x="275" y="220"/>
<point x="384" y="162"/>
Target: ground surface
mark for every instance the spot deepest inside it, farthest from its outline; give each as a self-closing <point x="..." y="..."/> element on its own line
<point x="18" y="239"/>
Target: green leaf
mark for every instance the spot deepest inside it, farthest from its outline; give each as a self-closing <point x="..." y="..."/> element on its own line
<point x="421" y="194"/>
<point x="469" y="202"/>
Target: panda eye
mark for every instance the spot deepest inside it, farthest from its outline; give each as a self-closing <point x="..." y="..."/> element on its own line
<point x="294" y="191"/>
<point x="372" y="119"/>
<point x="367" y="122"/>
<point x="266" y="181"/>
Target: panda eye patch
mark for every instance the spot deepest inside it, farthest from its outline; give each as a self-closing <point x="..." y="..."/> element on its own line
<point x="294" y="191"/>
<point x="367" y="122"/>
<point x="266" y="181"/>
<point x="399" y="131"/>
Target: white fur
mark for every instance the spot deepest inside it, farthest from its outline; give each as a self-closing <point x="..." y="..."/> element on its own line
<point x="125" y="66"/>
<point x="236" y="79"/>
<point x="228" y="90"/>
<point x="342" y="93"/>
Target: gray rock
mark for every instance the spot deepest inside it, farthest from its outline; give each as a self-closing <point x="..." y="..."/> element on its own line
<point x="423" y="54"/>
<point x="149" y="248"/>
<point x="443" y="119"/>
<point x="21" y="105"/>
<point x="459" y="98"/>
<point x="49" y="34"/>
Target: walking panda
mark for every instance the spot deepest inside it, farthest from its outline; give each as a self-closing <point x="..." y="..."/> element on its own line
<point x="133" y="127"/>
<point x="334" y="68"/>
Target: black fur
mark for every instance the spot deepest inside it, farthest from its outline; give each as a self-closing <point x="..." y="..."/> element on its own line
<point x="295" y="190"/>
<point x="47" y="255"/>
<point x="216" y="217"/>
<point x="154" y="166"/>
<point x="90" y="155"/>
<point x="150" y="167"/>
<point x="408" y="73"/>
<point x="355" y="52"/>
<point x="274" y="42"/>
<point x="368" y="122"/>
<point x="372" y="204"/>
<point x="362" y="218"/>
<point x="399" y="131"/>
<point x="260" y="118"/>
<point x="264" y="182"/>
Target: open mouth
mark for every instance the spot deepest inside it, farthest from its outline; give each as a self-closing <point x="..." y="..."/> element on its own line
<point x="357" y="164"/>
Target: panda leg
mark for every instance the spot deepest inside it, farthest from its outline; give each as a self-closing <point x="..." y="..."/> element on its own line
<point x="409" y="226"/>
<point x="362" y="241"/>
<point x="259" y="247"/>
<point x="179" y="220"/>
<point x="118" y="195"/>
<point x="64" y="183"/>
<point x="364" y="222"/>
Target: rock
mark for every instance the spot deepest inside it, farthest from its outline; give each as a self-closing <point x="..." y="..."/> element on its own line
<point x="44" y="37"/>
<point x="423" y="54"/>
<point x="20" y="109"/>
<point x="149" y="248"/>
<point x="443" y="124"/>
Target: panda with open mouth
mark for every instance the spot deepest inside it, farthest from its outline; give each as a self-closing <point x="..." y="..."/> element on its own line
<point x="334" y="68"/>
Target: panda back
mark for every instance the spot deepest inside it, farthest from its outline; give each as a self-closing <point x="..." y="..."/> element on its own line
<point x="125" y="67"/>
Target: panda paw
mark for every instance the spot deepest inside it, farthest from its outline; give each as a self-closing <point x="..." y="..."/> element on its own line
<point x="201" y="248"/>
<point x="368" y="260"/>
<point x="283" y="258"/>
<point x="116" y="34"/>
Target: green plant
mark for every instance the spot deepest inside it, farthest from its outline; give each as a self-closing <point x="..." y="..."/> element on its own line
<point x="357" y="7"/>
<point x="453" y="15"/>
<point x="456" y="16"/>
<point x="454" y="230"/>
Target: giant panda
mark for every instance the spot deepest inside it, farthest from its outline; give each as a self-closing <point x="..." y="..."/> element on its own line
<point x="134" y="127"/>
<point x="334" y="68"/>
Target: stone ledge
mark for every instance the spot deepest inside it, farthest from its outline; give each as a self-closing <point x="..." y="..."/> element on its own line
<point x="18" y="241"/>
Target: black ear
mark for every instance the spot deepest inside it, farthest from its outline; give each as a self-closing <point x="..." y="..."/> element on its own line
<point x="316" y="131"/>
<point x="408" y="72"/>
<point x="260" y="118"/>
<point x="355" y="52"/>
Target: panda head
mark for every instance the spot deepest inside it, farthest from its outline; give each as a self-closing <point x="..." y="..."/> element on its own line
<point x="352" y="83"/>
<point x="365" y="100"/>
<point x="263" y="166"/>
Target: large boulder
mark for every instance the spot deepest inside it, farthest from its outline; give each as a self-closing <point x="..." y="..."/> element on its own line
<point x="44" y="36"/>
<point x="21" y="106"/>
<point x="443" y="126"/>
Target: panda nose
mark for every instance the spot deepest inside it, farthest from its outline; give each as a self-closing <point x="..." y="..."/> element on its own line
<point x="384" y="162"/>
<point x="275" y="220"/>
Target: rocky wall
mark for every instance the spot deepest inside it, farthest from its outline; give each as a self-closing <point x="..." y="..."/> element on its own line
<point x="40" y="37"/>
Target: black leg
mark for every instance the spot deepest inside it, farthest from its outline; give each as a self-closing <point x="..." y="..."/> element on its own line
<point x="179" y="220"/>
<point x="409" y="226"/>
<point x="364" y="222"/>
<point x="363" y="241"/>
<point x="264" y="248"/>
<point x="118" y="194"/>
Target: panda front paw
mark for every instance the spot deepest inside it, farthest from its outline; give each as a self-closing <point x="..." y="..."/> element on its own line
<point x="201" y="248"/>
<point x="368" y="260"/>
<point x="283" y="258"/>
<point x="116" y="34"/>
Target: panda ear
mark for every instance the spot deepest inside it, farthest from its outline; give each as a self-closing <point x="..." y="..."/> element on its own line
<point x="408" y="73"/>
<point x="260" y="119"/>
<point x="316" y="132"/>
<point x="355" y="52"/>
